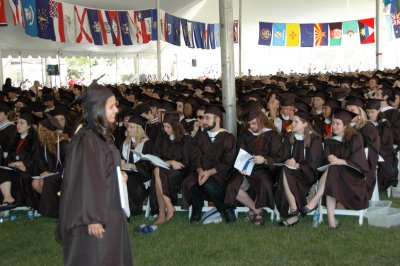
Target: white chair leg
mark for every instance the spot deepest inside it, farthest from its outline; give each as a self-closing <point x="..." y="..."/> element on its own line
<point x="147" y="208"/>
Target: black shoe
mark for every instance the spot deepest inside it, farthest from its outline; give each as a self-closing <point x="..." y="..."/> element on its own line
<point x="306" y="210"/>
<point x="229" y="215"/>
<point x="285" y="224"/>
<point x="195" y="217"/>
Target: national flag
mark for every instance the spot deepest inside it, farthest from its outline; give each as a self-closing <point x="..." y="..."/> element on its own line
<point x="335" y="33"/>
<point x="187" y="30"/>
<point x="163" y="26"/>
<point x="16" y="8"/>
<point x="396" y="30"/>
<point x="173" y="29"/>
<point x="307" y="35"/>
<point x="124" y="25"/>
<point x="96" y="25"/>
<point x="206" y="44"/>
<point x="154" y="31"/>
<point x="29" y="12"/>
<point x="321" y="34"/>
<point x="57" y="14"/>
<point x="82" y="27"/>
<point x="198" y="34"/>
<point x="45" y="21"/>
<point x="134" y="28"/>
<point x="3" y="18"/>
<point x="143" y="20"/>
<point x="264" y="33"/>
<point x="350" y="33"/>
<point x="211" y="35"/>
<point x="279" y="34"/>
<point x="69" y="22"/>
<point x="236" y="31"/>
<point x="217" y="35"/>
<point x="394" y="6"/>
<point x="395" y="19"/>
<point x="112" y="18"/>
<point x="367" y="30"/>
<point x="292" y="34"/>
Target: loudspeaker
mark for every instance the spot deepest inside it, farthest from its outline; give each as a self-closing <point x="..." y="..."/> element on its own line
<point x="194" y="62"/>
<point x="52" y="70"/>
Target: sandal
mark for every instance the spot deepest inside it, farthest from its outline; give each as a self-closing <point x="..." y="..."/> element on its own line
<point x="259" y="218"/>
<point x="249" y="216"/>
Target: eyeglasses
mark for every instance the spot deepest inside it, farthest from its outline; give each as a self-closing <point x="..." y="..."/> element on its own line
<point x="200" y="117"/>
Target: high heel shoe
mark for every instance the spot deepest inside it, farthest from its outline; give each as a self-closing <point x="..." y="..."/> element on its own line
<point x="306" y="210"/>
<point x="337" y="224"/>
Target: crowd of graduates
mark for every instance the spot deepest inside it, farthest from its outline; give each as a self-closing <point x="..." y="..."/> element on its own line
<point x="290" y="124"/>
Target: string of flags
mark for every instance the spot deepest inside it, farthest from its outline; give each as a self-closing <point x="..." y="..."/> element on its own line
<point x="63" y="22"/>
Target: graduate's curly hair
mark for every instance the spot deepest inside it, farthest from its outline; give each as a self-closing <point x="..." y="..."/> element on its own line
<point x="95" y="119"/>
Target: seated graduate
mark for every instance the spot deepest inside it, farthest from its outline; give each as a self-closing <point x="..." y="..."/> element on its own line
<point x="264" y="142"/>
<point x="213" y="159"/>
<point x="173" y="147"/>
<point x="23" y="156"/>
<point x="140" y="170"/>
<point x="53" y="148"/>
<point x="370" y="136"/>
<point x="303" y="153"/>
<point x="7" y="130"/>
<point x="387" y="170"/>
<point x="344" y="180"/>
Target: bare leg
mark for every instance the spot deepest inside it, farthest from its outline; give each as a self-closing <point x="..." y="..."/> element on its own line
<point x="170" y="207"/>
<point x="320" y="192"/>
<point x="37" y="185"/>
<point x="289" y="195"/>
<point x="160" y="199"/>
<point x="5" y="188"/>
<point x="330" y="207"/>
<point x="245" y="199"/>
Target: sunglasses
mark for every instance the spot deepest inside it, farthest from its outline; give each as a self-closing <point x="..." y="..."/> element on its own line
<point x="200" y="117"/>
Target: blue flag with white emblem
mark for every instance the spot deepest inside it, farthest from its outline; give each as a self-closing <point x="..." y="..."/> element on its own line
<point x="95" y="26"/>
<point x="29" y="14"/>
<point x="44" y="20"/>
<point x="265" y="33"/>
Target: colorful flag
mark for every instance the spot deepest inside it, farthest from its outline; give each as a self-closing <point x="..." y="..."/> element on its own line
<point x="173" y="30"/>
<point x="292" y="34"/>
<point x="395" y="19"/>
<point x="204" y="37"/>
<point x="335" y="33"/>
<point x="279" y="34"/>
<point x="163" y="26"/>
<point x="29" y="12"/>
<point x="154" y="31"/>
<point x="264" y="33"/>
<point x="69" y="22"/>
<point x="57" y="14"/>
<point x="16" y="8"/>
<point x="396" y="30"/>
<point x="45" y="21"/>
<point x="350" y="33"/>
<point x="124" y="25"/>
<point x="307" y="35"/>
<point x="96" y="25"/>
<point x="143" y="20"/>
<point x="367" y="30"/>
<point x="236" y="31"/>
<point x="112" y="18"/>
<point x="82" y="28"/>
<point x="187" y="30"/>
<point x="211" y="35"/>
<point x="389" y="28"/>
<point x="321" y="34"/>
<point x="3" y="18"/>
<point x="198" y="34"/>
<point x="217" y="35"/>
<point x="394" y="6"/>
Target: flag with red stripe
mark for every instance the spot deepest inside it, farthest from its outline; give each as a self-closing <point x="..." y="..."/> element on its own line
<point x="3" y="18"/>
<point x="56" y="12"/>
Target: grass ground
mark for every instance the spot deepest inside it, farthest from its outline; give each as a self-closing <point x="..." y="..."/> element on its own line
<point x="25" y="242"/>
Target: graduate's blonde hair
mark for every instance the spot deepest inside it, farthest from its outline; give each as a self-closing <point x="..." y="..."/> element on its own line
<point x="139" y="135"/>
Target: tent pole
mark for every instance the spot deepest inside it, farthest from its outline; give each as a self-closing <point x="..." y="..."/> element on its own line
<point x="22" y="69"/>
<point x="137" y="70"/>
<point x="116" y="68"/>
<point x="90" y="67"/>
<point x="41" y="61"/>
<point x="59" y="67"/>
<point x="240" y="37"/>
<point x="227" y="65"/>
<point x="158" y="42"/>
<point x="1" y="68"/>
<point x="378" y="34"/>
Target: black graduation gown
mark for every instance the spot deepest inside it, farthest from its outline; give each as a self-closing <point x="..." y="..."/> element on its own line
<point x="299" y="180"/>
<point x="372" y="142"/>
<point x="21" y="182"/>
<point x="7" y="133"/>
<point x="90" y="195"/>
<point x="220" y="154"/>
<point x="346" y="185"/>
<point x="387" y="170"/>
<point x="393" y="116"/>
<point x="137" y="191"/>
<point x="262" y="179"/>
<point x="166" y="149"/>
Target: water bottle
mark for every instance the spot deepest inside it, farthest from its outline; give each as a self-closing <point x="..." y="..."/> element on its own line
<point x="30" y="214"/>
<point x="149" y="229"/>
<point x="140" y="227"/>
<point x="316" y="216"/>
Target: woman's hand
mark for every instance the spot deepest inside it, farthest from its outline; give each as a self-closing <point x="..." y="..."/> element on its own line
<point x="125" y="176"/>
<point x="332" y="159"/>
<point x="258" y="159"/>
<point x="44" y="173"/>
<point x="19" y="165"/>
<point x="291" y="162"/>
<point x="176" y="165"/>
<point x="96" y="230"/>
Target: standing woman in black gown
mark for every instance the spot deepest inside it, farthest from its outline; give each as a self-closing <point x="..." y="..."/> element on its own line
<point x="92" y="224"/>
<point x="303" y="153"/>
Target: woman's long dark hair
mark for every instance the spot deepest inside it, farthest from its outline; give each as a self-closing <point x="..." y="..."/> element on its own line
<point x="179" y="131"/>
<point x="95" y="119"/>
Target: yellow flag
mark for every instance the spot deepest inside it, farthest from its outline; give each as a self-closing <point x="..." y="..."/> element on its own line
<point x="292" y="34"/>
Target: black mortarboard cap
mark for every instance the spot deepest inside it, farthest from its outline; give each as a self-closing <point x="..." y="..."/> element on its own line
<point x="332" y="103"/>
<point x="136" y="118"/>
<point x="4" y="107"/>
<point x="59" y="110"/>
<point x="50" y="122"/>
<point x="351" y="100"/>
<point x="304" y="115"/>
<point x="94" y="94"/>
<point x="374" y="104"/>
<point x="171" y="117"/>
<point x="215" y="109"/>
<point x="344" y="115"/>
<point x="253" y="110"/>
<point x="166" y="105"/>
<point x="28" y="117"/>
